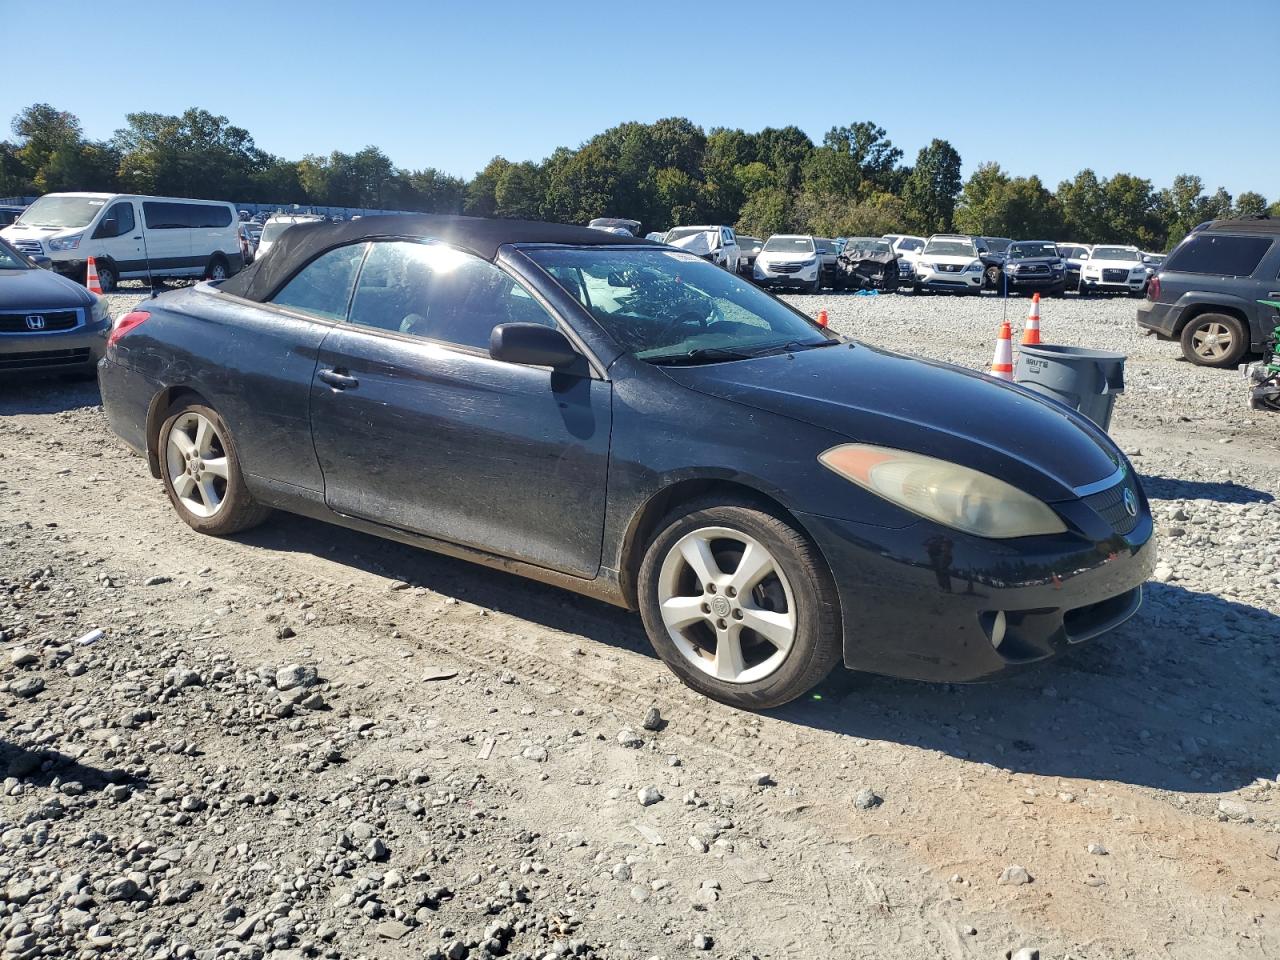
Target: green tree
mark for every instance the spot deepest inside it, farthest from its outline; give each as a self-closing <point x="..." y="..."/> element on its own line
<point x="930" y="191"/>
<point x="1250" y="204"/>
<point x="1132" y="213"/>
<point x="196" y="154"/>
<point x="871" y="149"/>
<point x="831" y="172"/>
<point x="437" y="192"/>
<point x="767" y="212"/>
<point x="1084" y="207"/>
<point x="520" y="192"/>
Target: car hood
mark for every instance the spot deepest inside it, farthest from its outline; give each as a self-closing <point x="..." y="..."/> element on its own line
<point x="1114" y="264"/>
<point x="962" y="259"/>
<point x="788" y="257"/>
<point x="40" y="290"/>
<point x="1038" y="261"/>
<point x="873" y="396"/>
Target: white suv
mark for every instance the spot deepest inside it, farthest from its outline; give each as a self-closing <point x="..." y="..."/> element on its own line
<point x="715" y="243"/>
<point x="1114" y="269"/>
<point x="950" y="263"/>
<point x="907" y="249"/>
<point x="789" y="260"/>
<point x="277" y="225"/>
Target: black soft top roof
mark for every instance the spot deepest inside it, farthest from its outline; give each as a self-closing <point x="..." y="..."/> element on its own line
<point x="303" y="242"/>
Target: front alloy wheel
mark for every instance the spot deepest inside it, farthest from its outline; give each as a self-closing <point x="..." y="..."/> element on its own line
<point x="736" y="626"/>
<point x="739" y="604"/>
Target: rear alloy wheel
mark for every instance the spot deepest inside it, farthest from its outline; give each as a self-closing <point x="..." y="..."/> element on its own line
<point x="1214" y="340"/>
<point x="217" y="270"/>
<point x="993" y="277"/>
<point x="740" y="605"/>
<point x="201" y="472"/>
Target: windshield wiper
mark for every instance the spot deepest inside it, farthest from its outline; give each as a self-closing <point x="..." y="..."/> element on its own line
<point x="793" y="346"/>
<point x="703" y="355"/>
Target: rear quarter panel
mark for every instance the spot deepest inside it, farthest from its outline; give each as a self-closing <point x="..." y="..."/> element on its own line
<point x="252" y="364"/>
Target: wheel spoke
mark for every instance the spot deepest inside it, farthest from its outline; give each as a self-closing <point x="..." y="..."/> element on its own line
<point x="217" y="467"/>
<point x="729" y="663"/>
<point x="697" y="553"/>
<point x="183" y="485"/>
<point x="181" y="442"/>
<point x="754" y="566"/>
<point x="204" y="436"/>
<point x="778" y="628"/>
<point x="678" y="612"/>
<point x="208" y="494"/>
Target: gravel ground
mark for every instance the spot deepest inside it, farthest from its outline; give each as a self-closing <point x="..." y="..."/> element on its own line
<point x="305" y="742"/>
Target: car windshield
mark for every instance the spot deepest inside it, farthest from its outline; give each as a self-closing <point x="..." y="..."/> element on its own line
<point x="910" y="244"/>
<point x="61" y="212"/>
<point x="679" y="233"/>
<point x="9" y="260"/>
<point x="1023" y="251"/>
<point x="997" y="244"/>
<point x="1072" y="252"/>
<point x="749" y="243"/>
<point x="271" y="232"/>
<point x="789" y="245"/>
<point x="1114" y="253"/>
<point x="859" y="245"/>
<point x="951" y="248"/>
<point x="669" y="307"/>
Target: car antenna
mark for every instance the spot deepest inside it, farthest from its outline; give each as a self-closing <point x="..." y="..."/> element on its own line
<point x="146" y="255"/>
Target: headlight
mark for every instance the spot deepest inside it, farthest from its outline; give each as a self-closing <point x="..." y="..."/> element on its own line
<point x="1013" y="268"/>
<point x="947" y="493"/>
<point x="976" y="266"/>
<point x="65" y="243"/>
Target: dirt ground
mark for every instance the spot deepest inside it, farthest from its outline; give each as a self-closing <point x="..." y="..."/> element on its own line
<point x="1135" y="780"/>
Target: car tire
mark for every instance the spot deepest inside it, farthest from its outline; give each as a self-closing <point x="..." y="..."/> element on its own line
<point x="795" y="599"/>
<point x="816" y="286"/>
<point x="991" y="279"/>
<point x="217" y="268"/>
<point x="1214" y="340"/>
<point x="210" y="499"/>
<point x="108" y="279"/>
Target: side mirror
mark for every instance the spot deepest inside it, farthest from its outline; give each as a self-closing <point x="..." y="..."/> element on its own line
<point x="106" y="229"/>
<point x="532" y="345"/>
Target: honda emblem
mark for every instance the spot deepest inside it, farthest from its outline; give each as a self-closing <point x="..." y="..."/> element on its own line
<point x="35" y="321"/>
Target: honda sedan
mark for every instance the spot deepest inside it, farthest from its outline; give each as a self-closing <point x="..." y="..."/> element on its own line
<point x="626" y="420"/>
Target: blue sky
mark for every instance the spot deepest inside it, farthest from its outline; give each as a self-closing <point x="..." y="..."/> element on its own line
<point x="1151" y="88"/>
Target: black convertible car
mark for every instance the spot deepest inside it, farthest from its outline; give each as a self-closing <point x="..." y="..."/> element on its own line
<point x="628" y="421"/>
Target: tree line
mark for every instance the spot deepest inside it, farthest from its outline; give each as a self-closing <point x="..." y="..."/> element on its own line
<point x="664" y="174"/>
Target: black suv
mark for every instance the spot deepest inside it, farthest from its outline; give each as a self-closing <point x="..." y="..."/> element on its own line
<point x="1207" y="291"/>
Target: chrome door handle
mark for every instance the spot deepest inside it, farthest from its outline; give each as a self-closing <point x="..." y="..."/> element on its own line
<point x="339" y="381"/>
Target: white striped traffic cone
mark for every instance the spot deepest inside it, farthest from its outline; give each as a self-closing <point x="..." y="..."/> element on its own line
<point x="1002" y="362"/>
<point x="91" y="277"/>
<point x="1031" y="334"/>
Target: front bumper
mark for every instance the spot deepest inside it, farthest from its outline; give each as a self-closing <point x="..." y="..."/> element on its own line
<point x="922" y="602"/>
<point x="61" y="351"/>
<point x="768" y="276"/>
<point x="1128" y="285"/>
<point x="1052" y="281"/>
<point x="961" y="282"/>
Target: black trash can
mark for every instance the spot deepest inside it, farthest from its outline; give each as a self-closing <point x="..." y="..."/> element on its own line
<point x="1086" y="380"/>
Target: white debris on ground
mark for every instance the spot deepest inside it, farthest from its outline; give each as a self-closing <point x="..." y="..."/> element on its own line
<point x="305" y="742"/>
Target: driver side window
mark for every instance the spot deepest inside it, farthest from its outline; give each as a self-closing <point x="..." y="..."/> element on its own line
<point x="434" y="291"/>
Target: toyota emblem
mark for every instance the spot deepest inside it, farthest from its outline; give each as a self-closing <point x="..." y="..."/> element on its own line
<point x="35" y="321"/>
<point x="1130" y="503"/>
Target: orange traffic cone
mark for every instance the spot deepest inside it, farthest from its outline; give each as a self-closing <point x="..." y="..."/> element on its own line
<point x="1031" y="335"/>
<point x="1002" y="362"/>
<point x="822" y="317"/>
<point x="91" y="277"/>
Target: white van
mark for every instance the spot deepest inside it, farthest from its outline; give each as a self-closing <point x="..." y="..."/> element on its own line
<point x="130" y="237"/>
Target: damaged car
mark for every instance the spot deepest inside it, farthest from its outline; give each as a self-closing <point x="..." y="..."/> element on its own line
<point x="867" y="263"/>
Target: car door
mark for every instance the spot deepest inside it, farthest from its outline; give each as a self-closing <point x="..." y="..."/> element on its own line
<point x="417" y="427"/>
<point x="118" y="237"/>
<point x="167" y="238"/>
